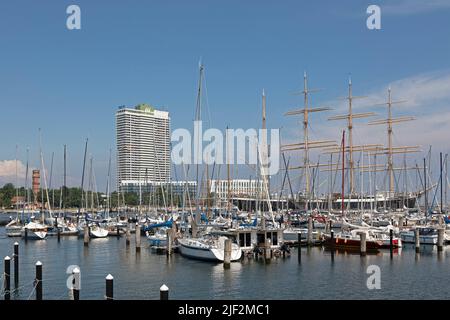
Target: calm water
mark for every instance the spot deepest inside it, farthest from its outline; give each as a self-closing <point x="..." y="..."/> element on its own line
<point x="139" y="276"/>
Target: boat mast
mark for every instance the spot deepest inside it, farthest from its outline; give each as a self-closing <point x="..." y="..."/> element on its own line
<point x="27" y="192"/>
<point x="440" y="162"/>
<point x="65" y="181"/>
<point x="82" y="177"/>
<point x="343" y="173"/>
<point x="307" y="144"/>
<point x="425" y="185"/>
<point x="17" y="186"/>
<point x="350" y="116"/>
<point x="391" y="150"/>
<point x="198" y="117"/>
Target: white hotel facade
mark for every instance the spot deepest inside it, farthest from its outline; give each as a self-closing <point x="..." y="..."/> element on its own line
<point x="143" y="147"/>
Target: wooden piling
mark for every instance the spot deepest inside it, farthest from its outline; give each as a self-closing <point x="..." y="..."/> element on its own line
<point x="16" y="264"/>
<point x="169" y="234"/>
<point x="299" y="254"/>
<point x="362" y="236"/>
<point x="164" y="293"/>
<point x="76" y="287"/>
<point x="332" y="245"/>
<point x="38" y="280"/>
<point x="400" y="223"/>
<point x="391" y="242"/>
<point x="138" y="237"/>
<point x="227" y="254"/>
<point x="86" y="236"/>
<point x="128" y="240"/>
<point x="26" y="234"/>
<point x="310" y="230"/>
<point x="417" y="240"/>
<point x="109" y="287"/>
<point x="267" y="249"/>
<point x="440" y="243"/>
<point x="58" y="231"/>
<point x="7" y="278"/>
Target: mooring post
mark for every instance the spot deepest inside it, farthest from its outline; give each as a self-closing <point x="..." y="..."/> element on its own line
<point x="16" y="264"/>
<point x="164" y="292"/>
<point x="38" y="280"/>
<point x="332" y="245"/>
<point x="118" y="231"/>
<point x="362" y="236"/>
<point x="417" y="239"/>
<point x="75" y="285"/>
<point x="168" y="242"/>
<point x="391" y="242"/>
<point x="86" y="235"/>
<point x="310" y="230"/>
<point x="299" y="254"/>
<point x="440" y="243"/>
<point x="109" y="287"/>
<point x="138" y="237"/>
<point x="7" y="277"/>
<point x="400" y="223"/>
<point x="128" y="234"/>
<point x="26" y="234"/>
<point x="58" y="231"/>
<point x="227" y="254"/>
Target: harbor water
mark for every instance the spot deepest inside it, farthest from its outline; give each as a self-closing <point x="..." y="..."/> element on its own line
<point x="319" y="275"/>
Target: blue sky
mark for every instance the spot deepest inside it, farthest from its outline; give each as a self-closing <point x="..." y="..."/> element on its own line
<point x="69" y="83"/>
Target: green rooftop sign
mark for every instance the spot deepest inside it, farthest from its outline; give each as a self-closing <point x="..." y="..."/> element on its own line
<point x="145" y="108"/>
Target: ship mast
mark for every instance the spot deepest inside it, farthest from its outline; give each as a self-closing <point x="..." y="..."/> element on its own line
<point x="350" y="116"/>
<point x="307" y="144"/>
<point x="390" y="150"/>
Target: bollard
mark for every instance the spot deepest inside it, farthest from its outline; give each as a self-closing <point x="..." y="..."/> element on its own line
<point x="128" y="234"/>
<point x="267" y="249"/>
<point x="169" y="233"/>
<point x="38" y="280"/>
<point x="362" y="236"/>
<point x="164" y="292"/>
<point x="7" y="275"/>
<point x="332" y="246"/>
<point x="310" y="230"/>
<point x="16" y="264"/>
<point x="109" y="287"/>
<point x="138" y="238"/>
<point x="417" y="240"/>
<point x="75" y="287"/>
<point x="227" y="254"/>
<point x="86" y="236"/>
<point x="57" y="229"/>
<point x="440" y="243"/>
<point x="391" y="241"/>
<point x="400" y="223"/>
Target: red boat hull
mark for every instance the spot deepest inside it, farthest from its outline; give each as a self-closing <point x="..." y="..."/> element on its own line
<point x="346" y="243"/>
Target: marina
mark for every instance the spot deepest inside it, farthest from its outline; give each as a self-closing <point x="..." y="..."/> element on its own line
<point x="234" y="151"/>
<point x="139" y="276"/>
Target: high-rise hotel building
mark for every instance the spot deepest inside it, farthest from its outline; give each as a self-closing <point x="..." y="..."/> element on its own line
<point x="143" y="147"/>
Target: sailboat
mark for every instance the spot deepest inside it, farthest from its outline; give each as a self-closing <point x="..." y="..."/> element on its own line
<point x="14" y="227"/>
<point x="208" y="249"/>
<point x="34" y="231"/>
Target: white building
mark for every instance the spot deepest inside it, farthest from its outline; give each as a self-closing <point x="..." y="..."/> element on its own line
<point x="143" y="146"/>
<point x="239" y="188"/>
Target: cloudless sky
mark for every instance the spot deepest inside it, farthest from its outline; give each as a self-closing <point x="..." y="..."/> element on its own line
<point x="70" y="82"/>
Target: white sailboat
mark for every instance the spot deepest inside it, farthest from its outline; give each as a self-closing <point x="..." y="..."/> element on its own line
<point x="95" y="231"/>
<point x="208" y="249"/>
<point x="34" y="231"/>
